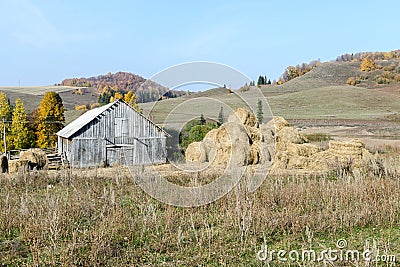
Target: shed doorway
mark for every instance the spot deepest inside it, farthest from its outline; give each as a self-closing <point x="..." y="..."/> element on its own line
<point x="120" y="155"/>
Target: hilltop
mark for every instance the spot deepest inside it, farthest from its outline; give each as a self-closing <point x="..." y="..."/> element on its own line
<point x="123" y="82"/>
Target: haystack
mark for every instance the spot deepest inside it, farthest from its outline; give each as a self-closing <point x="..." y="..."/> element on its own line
<point x="232" y="144"/>
<point x="244" y="142"/>
<point x="290" y="135"/>
<point x="239" y="141"/>
<point x="342" y="154"/>
<point x="37" y="158"/>
<point x="194" y="152"/>
<point x="243" y="116"/>
<point x="14" y="166"/>
<point x="294" y="154"/>
<point x="277" y="123"/>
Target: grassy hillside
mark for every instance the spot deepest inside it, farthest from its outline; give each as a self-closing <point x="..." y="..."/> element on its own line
<point x="326" y="74"/>
<point x="320" y="93"/>
<point x="32" y="95"/>
<point x="37" y="90"/>
<point x="345" y="102"/>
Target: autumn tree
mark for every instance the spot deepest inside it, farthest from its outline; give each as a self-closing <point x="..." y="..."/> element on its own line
<point x="368" y="64"/>
<point x="19" y="128"/>
<point x="32" y="124"/>
<point x="132" y="100"/>
<point x="50" y="119"/>
<point x="5" y="112"/>
<point x="116" y="96"/>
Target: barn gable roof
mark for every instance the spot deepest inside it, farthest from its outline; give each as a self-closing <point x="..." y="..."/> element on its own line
<point x="69" y="130"/>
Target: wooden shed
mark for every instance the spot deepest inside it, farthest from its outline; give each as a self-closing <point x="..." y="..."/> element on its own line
<point x="114" y="134"/>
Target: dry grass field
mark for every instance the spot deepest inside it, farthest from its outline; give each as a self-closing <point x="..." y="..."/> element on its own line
<point x="100" y="217"/>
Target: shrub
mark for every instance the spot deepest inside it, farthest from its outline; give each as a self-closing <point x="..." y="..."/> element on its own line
<point x="318" y="137"/>
<point x="94" y="105"/>
<point x="368" y="64"/>
<point x="389" y="68"/>
<point x="194" y="131"/>
<point x="81" y="107"/>
<point x="351" y="81"/>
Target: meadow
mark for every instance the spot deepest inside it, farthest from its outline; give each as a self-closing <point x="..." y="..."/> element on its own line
<point x="101" y="217"/>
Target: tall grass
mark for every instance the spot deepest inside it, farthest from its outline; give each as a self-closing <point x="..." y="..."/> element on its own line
<point x="100" y="217"/>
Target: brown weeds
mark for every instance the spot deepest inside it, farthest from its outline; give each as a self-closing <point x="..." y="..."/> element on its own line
<point x="100" y="217"/>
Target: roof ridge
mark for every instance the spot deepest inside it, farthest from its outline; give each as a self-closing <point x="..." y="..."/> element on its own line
<point x="73" y="127"/>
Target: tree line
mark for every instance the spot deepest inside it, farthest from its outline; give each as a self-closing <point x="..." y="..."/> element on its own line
<point x="36" y="129"/>
<point x="373" y="55"/>
<point x="292" y="72"/>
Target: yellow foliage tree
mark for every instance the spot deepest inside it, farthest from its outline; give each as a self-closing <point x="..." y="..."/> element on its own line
<point x="19" y="128"/>
<point x="131" y="99"/>
<point x="50" y="119"/>
<point x="116" y="96"/>
<point x="81" y="107"/>
<point x="368" y="64"/>
<point x="5" y="112"/>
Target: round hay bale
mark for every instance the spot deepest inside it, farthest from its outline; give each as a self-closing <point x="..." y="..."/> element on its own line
<point x="277" y="123"/>
<point x="194" y="152"/>
<point x="289" y="135"/>
<point x="267" y="133"/>
<point x="37" y="158"/>
<point x="212" y="135"/>
<point x="254" y="154"/>
<point x="232" y="144"/>
<point x="240" y="153"/>
<point x="14" y="166"/>
<point x="4" y="164"/>
<point x="209" y="148"/>
<point x="254" y="134"/>
<point x="244" y="116"/>
<point x="259" y="153"/>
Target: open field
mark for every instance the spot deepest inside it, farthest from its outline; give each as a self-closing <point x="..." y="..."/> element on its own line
<point x="99" y="217"/>
<point x="32" y="95"/>
<point x="37" y="90"/>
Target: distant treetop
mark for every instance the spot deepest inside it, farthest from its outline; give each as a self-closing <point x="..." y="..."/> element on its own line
<point x="374" y="55"/>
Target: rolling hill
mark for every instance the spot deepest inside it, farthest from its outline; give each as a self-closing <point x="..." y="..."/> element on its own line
<point x="322" y="93"/>
<point x="319" y="94"/>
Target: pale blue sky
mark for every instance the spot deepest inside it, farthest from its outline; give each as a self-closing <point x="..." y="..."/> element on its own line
<point x="44" y="41"/>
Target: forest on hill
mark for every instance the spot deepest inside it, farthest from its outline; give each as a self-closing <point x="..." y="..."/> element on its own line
<point x="123" y="82"/>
